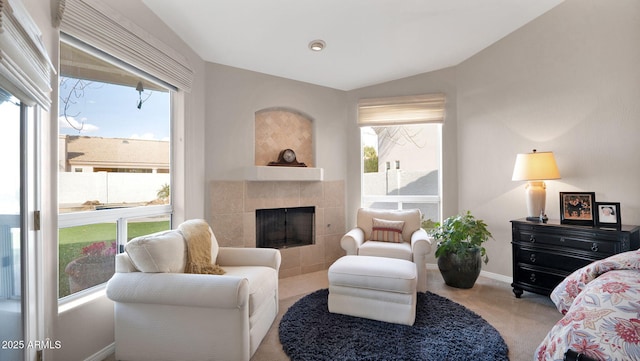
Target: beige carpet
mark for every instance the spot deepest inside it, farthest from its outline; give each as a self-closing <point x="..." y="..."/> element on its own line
<point x="523" y="322"/>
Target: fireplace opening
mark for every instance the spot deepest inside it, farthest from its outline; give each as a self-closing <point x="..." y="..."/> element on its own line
<point x="285" y="227"/>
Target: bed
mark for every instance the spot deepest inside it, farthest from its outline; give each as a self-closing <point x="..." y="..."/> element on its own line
<point x="601" y="307"/>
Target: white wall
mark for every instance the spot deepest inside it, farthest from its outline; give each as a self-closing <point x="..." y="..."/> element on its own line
<point x="75" y="188"/>
<point x="568" y="82"/>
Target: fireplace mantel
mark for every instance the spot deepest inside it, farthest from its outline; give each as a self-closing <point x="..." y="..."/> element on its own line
<point x="267" y="173"/>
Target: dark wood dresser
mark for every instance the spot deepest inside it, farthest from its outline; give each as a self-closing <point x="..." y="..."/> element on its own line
<point x="545" y="253"/>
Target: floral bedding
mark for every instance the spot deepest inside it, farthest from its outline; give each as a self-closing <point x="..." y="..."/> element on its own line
<point x="601" y="307"/>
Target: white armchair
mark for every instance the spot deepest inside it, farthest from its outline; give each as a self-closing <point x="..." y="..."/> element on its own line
<point x="164" y="314"/>
<point x="414" y="247"/>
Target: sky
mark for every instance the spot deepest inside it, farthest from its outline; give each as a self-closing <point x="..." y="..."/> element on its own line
<point x="369" y="138"/>
<point x="109" y="110"/>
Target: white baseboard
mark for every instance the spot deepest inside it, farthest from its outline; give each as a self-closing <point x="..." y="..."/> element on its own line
<point x="102" y="354"/>
<point x="497" y="277"/>
<point x="490" y="275"/>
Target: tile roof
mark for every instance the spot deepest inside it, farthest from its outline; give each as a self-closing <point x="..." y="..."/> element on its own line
<point x="118" y="152"/>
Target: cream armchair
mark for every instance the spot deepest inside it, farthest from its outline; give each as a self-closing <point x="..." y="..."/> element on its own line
<point x="164" y="314"/>
<point x="384" y="241"/>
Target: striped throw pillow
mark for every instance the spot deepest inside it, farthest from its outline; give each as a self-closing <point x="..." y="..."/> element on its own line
<point x="387" y="231"/>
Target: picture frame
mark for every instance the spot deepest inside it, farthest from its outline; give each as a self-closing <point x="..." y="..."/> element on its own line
<point x="608" y="214"/>
<point x="577" y="208"/>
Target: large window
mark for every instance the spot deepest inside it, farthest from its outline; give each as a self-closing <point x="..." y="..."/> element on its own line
<point x="401" y="166"/>
<point x="114" y="163"/>
<point x="401" y="153"/>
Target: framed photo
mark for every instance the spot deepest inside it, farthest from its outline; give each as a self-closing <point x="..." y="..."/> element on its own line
<point x="608" y="214"/>
<point x="577" y="208"/>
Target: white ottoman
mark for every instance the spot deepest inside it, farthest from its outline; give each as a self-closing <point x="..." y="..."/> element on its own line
<point x="378" y="288"/>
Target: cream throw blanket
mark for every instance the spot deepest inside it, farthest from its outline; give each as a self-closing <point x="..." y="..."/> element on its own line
<point x="197" y="235"/>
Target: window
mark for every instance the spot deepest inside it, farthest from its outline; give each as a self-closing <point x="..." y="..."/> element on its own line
<point x="10" y="223"/>
<point x="134" y="72"/>
<point x="401" y="153"/>
<point x="114" y="165"/>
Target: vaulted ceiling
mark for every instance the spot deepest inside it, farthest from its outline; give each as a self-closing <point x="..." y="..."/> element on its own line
<point x="367" y="41"/>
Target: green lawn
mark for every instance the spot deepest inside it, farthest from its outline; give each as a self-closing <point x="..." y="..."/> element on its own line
<point x="73" y="239"/>
<point x="107" y="231"/>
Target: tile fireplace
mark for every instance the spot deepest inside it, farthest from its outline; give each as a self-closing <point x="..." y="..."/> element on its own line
<point x="232" y="216"/>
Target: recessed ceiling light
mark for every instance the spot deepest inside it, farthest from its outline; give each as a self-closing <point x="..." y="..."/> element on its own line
<point x="317" y="45"/>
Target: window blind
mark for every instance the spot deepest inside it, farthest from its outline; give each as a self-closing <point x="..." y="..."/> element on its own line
<point x="25" y="67"/>
<point x="95" y="23"/>
<point x="413" y="109"/>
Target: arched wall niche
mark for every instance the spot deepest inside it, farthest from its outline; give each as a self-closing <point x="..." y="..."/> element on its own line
<point x="281" y="128"/>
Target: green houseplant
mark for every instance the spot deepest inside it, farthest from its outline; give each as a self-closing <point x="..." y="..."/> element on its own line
<point x="459" y="249"/>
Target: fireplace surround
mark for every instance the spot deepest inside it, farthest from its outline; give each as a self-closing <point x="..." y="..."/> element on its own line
<point x="231" y="214"/>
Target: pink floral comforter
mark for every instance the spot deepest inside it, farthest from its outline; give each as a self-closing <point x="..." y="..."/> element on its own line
<point x="601" y="307"/>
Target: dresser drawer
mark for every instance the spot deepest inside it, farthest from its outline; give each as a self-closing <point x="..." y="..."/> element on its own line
<point x="578" y="242"/>
<point x="550" y="259"/>
<point x="538" y="278"/>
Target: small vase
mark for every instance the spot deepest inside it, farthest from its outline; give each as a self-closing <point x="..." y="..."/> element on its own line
<point x="86" y="272"/>
<point x="460" y="272"/>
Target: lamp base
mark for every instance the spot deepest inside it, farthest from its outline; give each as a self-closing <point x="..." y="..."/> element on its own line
<point x="536" y="198"/>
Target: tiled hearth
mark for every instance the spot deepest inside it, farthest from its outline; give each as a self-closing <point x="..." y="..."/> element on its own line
<point x="232" y="217"/>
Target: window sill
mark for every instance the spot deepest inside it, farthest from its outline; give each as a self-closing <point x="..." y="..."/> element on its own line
<point x="80" y="298"/>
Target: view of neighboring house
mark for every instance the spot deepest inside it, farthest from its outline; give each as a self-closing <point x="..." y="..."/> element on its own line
<point x="407" y="169"/>
<point x="119" y="155"/>
<point x="109" y="171"/>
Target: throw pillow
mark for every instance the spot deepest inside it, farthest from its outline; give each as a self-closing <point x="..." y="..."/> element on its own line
<point x="387" y="231"/>
<point x="158" y="252"/>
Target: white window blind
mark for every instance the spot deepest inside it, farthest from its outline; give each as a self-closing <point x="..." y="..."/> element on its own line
<point x="95" y="23"/>
<point x="25" y="67"/>
<point x="413" y="109"/>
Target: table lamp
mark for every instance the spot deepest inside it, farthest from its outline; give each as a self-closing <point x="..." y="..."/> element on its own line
<point x="535" y="168"/>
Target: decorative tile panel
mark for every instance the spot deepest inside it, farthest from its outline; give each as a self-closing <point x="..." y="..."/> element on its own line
<point x="277" y="129"/>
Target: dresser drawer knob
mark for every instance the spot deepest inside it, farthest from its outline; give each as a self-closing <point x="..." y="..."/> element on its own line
<point x="532" y="278"/>
<point x="594" y="247"/>
<point x="532" y="258"/>
<point x="532" y="238"/>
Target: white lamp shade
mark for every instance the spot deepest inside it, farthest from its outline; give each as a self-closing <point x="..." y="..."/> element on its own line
<point x="535" y="166"/>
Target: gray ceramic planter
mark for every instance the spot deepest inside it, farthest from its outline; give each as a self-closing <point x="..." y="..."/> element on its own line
<point x="460" y="272"/>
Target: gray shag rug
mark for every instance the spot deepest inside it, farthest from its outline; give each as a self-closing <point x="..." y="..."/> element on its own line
<point x="444" y="330"/>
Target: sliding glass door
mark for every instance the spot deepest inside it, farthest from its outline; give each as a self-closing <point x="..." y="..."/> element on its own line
<point x="11" y="229"/>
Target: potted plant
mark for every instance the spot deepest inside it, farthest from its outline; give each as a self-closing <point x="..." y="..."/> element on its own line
<point x="459" y="249"/>
<point x="95" y="266"/>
